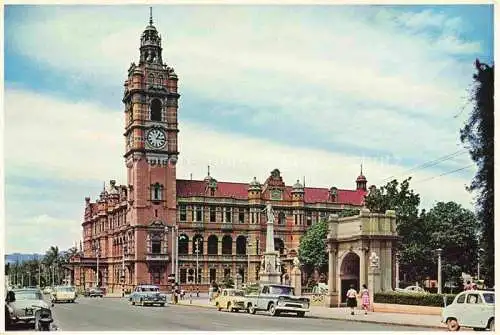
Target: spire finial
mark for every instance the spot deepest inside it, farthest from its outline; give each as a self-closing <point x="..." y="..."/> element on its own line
<point x="104" y="186"/>
<point x="150" y="16"/>
<point x="361" y="168"/>
<point x="208" y="170"/>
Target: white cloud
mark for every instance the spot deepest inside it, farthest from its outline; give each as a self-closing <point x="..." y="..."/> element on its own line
<point x="267" y="58"/>
<point x="343" y="78"/>
<point x="84" y="141"/>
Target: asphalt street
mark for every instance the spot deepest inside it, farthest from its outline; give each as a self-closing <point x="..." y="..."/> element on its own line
<point x="116" y="314"/>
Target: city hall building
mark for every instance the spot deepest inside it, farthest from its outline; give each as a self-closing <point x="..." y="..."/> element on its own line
<point x="157" y="226"/>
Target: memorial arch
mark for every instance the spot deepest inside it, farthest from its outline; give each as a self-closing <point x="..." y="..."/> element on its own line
<point x="350" y="241"/>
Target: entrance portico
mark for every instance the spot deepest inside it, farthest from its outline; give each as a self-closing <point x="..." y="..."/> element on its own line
<point x="349" y="242"/>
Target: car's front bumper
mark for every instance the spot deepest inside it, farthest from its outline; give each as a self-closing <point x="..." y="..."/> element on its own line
<point x="291" y="309"/>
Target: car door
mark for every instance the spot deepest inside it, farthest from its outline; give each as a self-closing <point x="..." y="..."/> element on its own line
<point x="458" y="308"/>
<point x="262" y="299"/>
<point x="470" y="310"/>
<point x="478" y="313"/>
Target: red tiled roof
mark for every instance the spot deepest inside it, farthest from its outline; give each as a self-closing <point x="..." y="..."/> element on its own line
<point x="191" y="188"/>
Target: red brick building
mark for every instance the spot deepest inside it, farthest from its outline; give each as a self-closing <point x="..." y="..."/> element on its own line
<point x="130" y="226"/>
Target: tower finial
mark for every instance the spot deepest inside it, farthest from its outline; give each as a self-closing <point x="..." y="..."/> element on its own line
<point x="150" y="16"/>
<point x="361" y="168"/>
<point x="208" y="170"/>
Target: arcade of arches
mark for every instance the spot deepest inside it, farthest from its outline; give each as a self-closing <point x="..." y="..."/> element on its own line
<point x="220" y="256"/>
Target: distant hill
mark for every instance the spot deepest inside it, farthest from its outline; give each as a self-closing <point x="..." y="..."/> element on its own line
<point x="13" y="258"/>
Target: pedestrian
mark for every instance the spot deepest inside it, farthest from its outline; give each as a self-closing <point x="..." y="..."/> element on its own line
<point x="197" y="292"/>
<point x="467" y="286"/>
<point x="365" y="299"/>
<point x="210" y="293"/>
<point x="351" y="298"/>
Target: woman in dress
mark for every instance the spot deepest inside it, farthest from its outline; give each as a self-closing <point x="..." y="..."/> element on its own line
<point x="365" y="299"/>
<point x="351" y="298"/>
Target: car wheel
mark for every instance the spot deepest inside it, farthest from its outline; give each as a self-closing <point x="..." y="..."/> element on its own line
<point x="251" y="309"/>
<point x="162" y="305"/>
<point x="452" y="325"/>
<point x="491" y="325"/>
<point x="229" y="308"/>
<point x="272" y="310"/>
<point x="301" y="314"/>
<point x="218" y="306"/>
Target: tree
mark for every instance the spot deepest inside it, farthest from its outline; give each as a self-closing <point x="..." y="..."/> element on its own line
<point x="478" y="136"/>
<point x="452" y="228"/>
<point x="402" y="199"/>
<point x="312" y="248"/>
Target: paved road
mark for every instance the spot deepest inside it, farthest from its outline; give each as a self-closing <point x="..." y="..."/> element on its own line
<point x="115" y="314"/>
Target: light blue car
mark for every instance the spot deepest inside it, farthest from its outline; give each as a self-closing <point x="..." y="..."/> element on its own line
<point x="144" y="295"/>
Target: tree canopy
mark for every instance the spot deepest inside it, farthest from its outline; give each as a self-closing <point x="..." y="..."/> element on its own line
<point x="478" y="136"/>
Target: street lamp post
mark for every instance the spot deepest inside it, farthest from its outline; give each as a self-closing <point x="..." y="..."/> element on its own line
<point x="439" y="269"/>
<point x="97" y="267"/>
<point x="197" y="244"/>
<point x="479" y="262"/>
<point x="249" y="244"/>
<point x="29" y="278"/>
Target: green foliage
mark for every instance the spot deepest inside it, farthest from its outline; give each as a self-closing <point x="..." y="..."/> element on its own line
<point x="312" y="248"/>
<point x="417" y="299"/>
<point x="478" y="136"/>
<point x="447" y="226"/>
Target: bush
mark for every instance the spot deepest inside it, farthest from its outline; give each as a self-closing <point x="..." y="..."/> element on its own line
<point x="418" y="299"/>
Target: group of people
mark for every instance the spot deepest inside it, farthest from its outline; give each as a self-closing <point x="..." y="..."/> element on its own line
<point x="352" y="298"/>
<point x="213" y="291"/>
<point x="179" y="294"/>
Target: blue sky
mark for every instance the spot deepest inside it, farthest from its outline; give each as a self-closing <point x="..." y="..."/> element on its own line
<point x="311" y="90"/>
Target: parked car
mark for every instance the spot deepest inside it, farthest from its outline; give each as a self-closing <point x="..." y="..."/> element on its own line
<point x="231" y="299"/>
<point x="94" y="292"/>
<point x="64" y="293"/>
<point x="474" y="309"/>
<point x="25" y="306"/>
<point x="147" y="295"/>
<point x="277" y="299"/>
<point x="412" y="289"/>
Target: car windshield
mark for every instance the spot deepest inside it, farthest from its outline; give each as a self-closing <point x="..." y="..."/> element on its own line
<point x="281" y="290"/>
<point x="237" y="293"/>
<point x="150" y="289"/>
<point x="489" y="298"/>
<point x="28" y="295"/>
<point x="66" y="289"/>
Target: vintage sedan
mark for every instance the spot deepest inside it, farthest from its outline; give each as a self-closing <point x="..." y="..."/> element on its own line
<point x="22" y="305"/>
<point x="94" y="292"/>
<point x="64" y="293"/>
<point x="147" y="295"/>
<point x="231" y="299"/>
<point x="474" y="309"/>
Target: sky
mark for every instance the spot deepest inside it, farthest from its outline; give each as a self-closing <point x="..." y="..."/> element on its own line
<point x="314" y="91"/>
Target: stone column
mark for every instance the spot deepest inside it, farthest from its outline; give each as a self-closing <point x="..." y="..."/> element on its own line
<point x="296" y="280"/>
<point x="219" y="247"/>
<point x="362" y="268"/>
<point x="374" y="283"/>
<point x="396" y="259"/>
<point x="332" y="298"/>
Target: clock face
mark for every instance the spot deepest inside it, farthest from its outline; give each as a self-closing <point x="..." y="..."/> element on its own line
<point x="156" y="138"/>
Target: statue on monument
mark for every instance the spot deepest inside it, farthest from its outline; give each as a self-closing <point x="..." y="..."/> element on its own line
<point x="296" y="262"/>
<point x="270" y="213"/>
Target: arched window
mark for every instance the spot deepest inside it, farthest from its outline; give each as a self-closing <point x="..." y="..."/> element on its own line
<point x="241" y="245"/>
<point x="156" y="244"/>
<point x="281" y="218"/>
<point x="279" y="245"/>
<point x="156" y="110"/>
<point x="156" y="192"/>
<point x="212" y="246"/>
<point x="227" y="245"/>
<point x="183" y="244"/>
<point x="151" y="79"/>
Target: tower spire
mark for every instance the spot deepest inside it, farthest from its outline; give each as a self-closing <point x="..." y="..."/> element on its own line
<point x="150" y="16"/>
<point x="361" y="168"/>
<point x="208" y="170"/>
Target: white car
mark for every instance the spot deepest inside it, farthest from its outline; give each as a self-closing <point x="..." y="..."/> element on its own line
<point x="474" y="309"/>
<point x="412" y="289"/>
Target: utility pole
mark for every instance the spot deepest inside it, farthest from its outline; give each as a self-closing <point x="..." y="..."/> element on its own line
<point x="197" y="256"/>
<point x="249" y="244"/>
<point x="97" y="251"/>
<point x="439" y="270"/>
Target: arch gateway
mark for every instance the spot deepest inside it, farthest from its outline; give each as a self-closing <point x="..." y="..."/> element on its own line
<point x="350" y="243"/>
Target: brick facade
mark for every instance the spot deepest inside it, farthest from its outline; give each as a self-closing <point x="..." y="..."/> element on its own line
<point x="128" y="224"/>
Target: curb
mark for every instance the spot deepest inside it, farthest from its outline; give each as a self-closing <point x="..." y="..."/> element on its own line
<point x="333" y="318"/>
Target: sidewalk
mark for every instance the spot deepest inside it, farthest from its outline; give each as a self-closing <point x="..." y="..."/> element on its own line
<point x="343" y="313"/>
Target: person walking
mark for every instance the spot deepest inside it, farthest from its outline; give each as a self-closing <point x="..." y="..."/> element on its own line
<point x="351" y="298"/>
<point x="365" y="299"/>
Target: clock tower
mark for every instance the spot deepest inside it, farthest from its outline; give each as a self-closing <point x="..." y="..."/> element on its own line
<point x="151" y="102"/>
